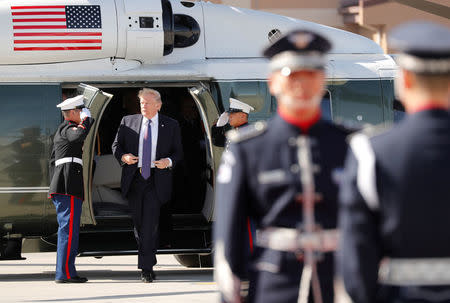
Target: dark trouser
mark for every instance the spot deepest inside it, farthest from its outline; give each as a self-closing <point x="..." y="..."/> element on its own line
<point x="68" y="213"/>
<point x="269" y="285"/>
<point x="145" y="206"/>
<point x="165" y="225"/>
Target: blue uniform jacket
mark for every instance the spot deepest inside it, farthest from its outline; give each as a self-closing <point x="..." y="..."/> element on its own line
<point x="260" y="177"/>
<point x="402" y="210"/>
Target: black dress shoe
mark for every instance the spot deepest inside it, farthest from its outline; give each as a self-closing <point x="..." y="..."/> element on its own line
<point x="75" y="279"/>
<point x="146" y="276"/>
<point x="152" y="273"/>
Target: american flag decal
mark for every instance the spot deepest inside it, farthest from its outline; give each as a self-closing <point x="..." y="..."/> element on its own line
<point x="56" y="27"/>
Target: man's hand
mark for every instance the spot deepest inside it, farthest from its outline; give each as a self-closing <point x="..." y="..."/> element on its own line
<point x="162" y="163"/>
<point x="129" y="159"/>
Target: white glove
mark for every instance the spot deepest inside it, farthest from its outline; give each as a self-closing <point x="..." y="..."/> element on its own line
<point x="85" y="113"/>
<point x="223" y="119"/>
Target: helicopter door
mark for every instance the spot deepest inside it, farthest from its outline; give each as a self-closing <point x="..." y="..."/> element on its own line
<point x="208" y="112"/>
<point x="96" y="100"/>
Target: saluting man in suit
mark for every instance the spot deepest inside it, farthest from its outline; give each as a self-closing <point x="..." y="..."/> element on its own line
<point x="395" y="194"/>
<point x="147" y="146"/>
<point x="66" y="187"/>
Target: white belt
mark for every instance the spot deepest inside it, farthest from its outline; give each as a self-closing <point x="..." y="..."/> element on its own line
<point x="415" y="272"/>
<point x="290" y="239"/>
<point x="67" y="160"/>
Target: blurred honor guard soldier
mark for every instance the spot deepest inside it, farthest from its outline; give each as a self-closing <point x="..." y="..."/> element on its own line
<point x="236" y="116"/>
<point x="147" y="145"/>
<point x="66" y="187"/>
<point x="395" y="196"/>
<point x="260" y="176"/>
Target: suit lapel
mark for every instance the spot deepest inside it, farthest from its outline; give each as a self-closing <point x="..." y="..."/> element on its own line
<point x="136" y="126"/>
<point x="161" y="134"/>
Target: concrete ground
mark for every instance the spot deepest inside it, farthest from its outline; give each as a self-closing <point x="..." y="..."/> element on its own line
<point x="111" y="279"/>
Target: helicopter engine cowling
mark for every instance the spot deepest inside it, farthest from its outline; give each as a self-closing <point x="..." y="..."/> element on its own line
<point x="75" y="30"/>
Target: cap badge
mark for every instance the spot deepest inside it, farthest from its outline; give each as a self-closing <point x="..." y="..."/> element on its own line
<point x="301" y="40"/>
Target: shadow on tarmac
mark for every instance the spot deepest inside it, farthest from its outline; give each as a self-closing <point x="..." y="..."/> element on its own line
<point x="131" y="296"/>
<point x="121" y="276"/>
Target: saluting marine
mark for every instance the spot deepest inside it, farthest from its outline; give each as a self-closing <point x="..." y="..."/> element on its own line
<point x="66" y="187"/>
<point x="260" y="177"/>
<point x="236" y="117"/>
<point x="395" y="195"/>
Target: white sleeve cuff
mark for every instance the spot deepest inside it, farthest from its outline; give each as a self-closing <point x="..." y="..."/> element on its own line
<point x="170" y="162"/>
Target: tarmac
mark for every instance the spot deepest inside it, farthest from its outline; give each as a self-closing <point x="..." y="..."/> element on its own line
<point x="111" y="279"/>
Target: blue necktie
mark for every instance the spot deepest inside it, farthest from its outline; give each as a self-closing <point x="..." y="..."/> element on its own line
<point x="147" y="151"/>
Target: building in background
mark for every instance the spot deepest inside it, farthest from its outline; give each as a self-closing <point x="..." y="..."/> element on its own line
<point x="370" y="18"/>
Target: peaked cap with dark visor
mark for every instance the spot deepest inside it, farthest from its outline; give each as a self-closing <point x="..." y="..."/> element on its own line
<point x="424" y="47"/>
<point x="299" y="49"/>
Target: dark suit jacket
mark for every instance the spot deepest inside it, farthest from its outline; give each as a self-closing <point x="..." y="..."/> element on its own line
<point x="168" y="146"/>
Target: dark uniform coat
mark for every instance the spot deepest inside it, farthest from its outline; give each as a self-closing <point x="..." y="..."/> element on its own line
<point x="260" y="177"/>
<point x="218" y="134"/>
<point x="67" y="178"/>
<point x="402" y="210"/>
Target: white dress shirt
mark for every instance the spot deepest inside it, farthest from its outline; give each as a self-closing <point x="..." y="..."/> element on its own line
<point x="155" y="126"/>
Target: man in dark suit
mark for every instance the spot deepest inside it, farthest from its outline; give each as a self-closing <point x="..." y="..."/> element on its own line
<point x="147" y="146"/>
<point x="395" y="194"/>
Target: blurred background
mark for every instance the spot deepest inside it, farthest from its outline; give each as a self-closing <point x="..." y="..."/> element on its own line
<point x="370" y="18"/>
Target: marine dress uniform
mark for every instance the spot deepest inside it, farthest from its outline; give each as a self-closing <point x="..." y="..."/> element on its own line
<point x="218" y="131"/>
<point x="260" y="178"/>
<point x="66" y="189"/>
<point x="395" y="196"/>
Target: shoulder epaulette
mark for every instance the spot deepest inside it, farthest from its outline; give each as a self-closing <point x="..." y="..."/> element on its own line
<point x="248" y="132"/>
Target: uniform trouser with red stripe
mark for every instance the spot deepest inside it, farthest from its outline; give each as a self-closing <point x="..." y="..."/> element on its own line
<point x="68" y="212"/>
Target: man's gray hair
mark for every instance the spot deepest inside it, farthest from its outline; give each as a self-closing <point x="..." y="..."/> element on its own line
<point x="150" y="91"/>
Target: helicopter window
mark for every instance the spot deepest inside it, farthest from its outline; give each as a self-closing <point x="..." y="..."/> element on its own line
<point x="254" y="93"/>
<point x="257" y="95"/>
<point x="32" y="118"/>
<point x="358" y="100"/>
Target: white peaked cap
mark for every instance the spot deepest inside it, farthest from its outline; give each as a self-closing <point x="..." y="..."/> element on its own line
<point x="236" y="105"/>
<point x="72" y="103"/>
